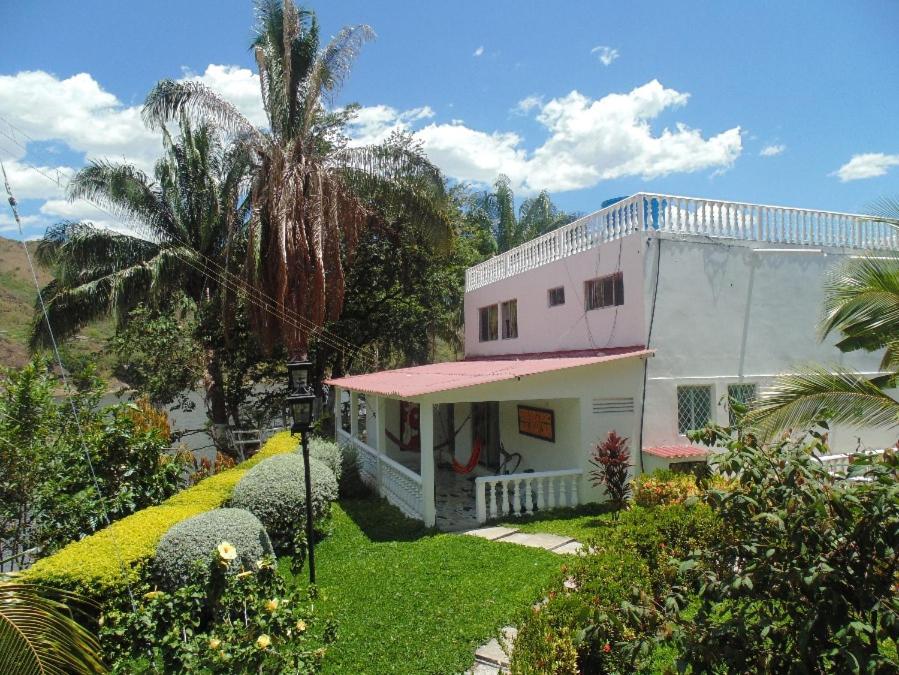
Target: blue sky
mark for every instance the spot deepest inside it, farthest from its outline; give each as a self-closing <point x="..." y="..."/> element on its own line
<point x="772" y="102"/>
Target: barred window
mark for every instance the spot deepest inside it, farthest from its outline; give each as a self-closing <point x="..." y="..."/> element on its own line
<point x="694" y="408"/>
<point x="741" y="393"/>
<point x="489" y="323"/>
<point x="604" y="291"/>
<point x="556" y="296"/>
<point x="510" y="319"/>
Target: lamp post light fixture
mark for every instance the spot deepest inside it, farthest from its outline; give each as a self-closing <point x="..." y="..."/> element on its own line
<point x="300" y="401"/>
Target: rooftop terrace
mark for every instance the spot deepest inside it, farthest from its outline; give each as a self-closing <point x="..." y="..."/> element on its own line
<point x="689" y="216"/>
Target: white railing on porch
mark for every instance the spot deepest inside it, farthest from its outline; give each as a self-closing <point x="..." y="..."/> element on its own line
<point x="400" y="486"/>
<point x="839" y="464"/>
<point x="521" y="493"/>
<point x="688" y="216"/>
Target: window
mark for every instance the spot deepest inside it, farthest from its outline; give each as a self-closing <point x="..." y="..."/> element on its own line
<point x="556" y="296"/>
<point x="604" y="291"/>
<point x="741" y="393"/>
<point x="489" y="323"/>
<point x="694" y="408"/>
<point x="510" y="319"/>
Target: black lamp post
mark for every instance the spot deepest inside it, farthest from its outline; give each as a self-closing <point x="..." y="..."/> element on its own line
<point x="300" y="400"/>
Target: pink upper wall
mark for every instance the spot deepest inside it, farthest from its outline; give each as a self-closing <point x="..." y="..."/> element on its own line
<point x="542" y="328"/>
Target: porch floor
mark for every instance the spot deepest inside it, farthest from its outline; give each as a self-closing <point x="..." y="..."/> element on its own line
<point x="453" y="495"/>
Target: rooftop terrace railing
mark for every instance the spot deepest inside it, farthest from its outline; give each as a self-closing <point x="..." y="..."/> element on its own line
<point x="689" y="216"/>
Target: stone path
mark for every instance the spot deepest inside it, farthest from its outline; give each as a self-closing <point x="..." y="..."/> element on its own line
<point x="492" y="658"/>
<point x="510" y="535"/>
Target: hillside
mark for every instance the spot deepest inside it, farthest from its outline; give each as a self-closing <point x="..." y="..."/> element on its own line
<point x="17" y="297"/>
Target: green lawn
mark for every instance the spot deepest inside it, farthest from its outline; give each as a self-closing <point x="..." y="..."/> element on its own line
<point x="409" y="600"/>
<point x="582" y="523"/>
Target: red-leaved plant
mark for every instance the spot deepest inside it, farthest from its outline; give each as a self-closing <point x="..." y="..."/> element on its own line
<point x="612" y="460"/>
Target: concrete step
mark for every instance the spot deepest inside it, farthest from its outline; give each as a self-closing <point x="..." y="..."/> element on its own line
<point x="492" y="655"/>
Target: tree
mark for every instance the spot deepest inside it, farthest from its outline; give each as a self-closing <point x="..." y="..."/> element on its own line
<point x="862" y="304"/>
<point x="801" y="578"/>
<point x="307" y="212"/>
<point x="191" y="222"/>
<point x="495" y="211"/>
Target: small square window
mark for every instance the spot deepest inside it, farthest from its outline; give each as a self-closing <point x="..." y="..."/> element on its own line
<point x="556" y="296"/>
<point x="510" y="319"/>
<point x="694" y="408"/>
<point x="741" y="393"/>
<point x="604" y="291"/>
<point x="488" y="323"/>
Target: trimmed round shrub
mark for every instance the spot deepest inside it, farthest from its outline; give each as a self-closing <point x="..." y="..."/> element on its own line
<point x="187" y="550"/>
<point x="275" y="492"/>
<point x="328" y="453"/>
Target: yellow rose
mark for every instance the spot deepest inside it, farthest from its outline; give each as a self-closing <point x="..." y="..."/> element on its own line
<point x="263" y="641"/>
<point x="227" y="551"/>
<point x="271" y="605"/>
<point x="215" y="643"/>
<point x="301" y="626"/>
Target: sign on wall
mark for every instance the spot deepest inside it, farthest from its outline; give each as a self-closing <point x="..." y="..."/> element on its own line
<point x="537" y="423"/>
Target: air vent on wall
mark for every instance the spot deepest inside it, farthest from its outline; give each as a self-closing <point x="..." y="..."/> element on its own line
<point x="613" y="405"/>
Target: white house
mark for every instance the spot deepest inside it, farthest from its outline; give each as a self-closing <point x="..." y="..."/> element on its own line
<point x="641" y="318"/>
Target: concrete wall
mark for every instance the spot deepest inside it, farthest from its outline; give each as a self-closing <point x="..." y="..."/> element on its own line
<point x="542" y="328"/>
<point x="728" y="313"/>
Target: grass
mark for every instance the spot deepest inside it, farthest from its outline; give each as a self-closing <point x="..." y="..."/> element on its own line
<point x="410" y="600"/>
<point x="582" y="523"/>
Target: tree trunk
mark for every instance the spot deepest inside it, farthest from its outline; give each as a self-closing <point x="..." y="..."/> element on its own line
<point x="216" y="407"/>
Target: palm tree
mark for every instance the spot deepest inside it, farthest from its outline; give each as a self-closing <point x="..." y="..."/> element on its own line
<point x="307" y="188"/>
<point x="496" y="211"/>
<point x="861" y="304"/>
<point x="194" y="212"/>
<point x="39" y="632"/>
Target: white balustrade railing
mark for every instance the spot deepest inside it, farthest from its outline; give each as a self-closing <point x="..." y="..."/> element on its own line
<point x="689" y="216"/>
<point x="522" y="493"/>
<point x="401" y="486"/>
<point x="839" y="464"/>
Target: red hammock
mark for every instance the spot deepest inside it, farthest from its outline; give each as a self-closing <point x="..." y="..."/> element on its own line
<point x="472" y="460"/>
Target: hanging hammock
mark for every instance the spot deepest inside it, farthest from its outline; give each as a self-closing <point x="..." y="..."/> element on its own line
<point x="472" y="460"/>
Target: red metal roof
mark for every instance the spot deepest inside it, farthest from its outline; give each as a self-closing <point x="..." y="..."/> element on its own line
<point x="429" y="379"/>
<point x="676" y="451"/>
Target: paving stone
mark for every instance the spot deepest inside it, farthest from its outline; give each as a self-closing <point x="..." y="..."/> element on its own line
<point x="492" y="533"/>
<point x="537" y="540"/>
<point x="571" y="548"/>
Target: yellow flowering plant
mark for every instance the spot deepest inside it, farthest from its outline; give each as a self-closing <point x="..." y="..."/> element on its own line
<point x="247" y="622"/>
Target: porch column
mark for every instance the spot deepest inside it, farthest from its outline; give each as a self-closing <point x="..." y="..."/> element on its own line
<point x="354" y="414"/>
<point x="426" y="431"/>
<point x="381" y="440"/>
<point x="338" y="420"/>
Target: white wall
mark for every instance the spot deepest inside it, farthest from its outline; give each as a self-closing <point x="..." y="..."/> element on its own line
<point x="542" y="328"/>
<point x="726" y="313"/>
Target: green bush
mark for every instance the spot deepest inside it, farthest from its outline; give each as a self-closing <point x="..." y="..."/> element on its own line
<point x="183" y="555"/>
<point x="275" y="492"/>
<point x="664" y="486"/>
<point x="107" y="561"/>
<point x="251" y="622"/>
<point x="328" y="453"/>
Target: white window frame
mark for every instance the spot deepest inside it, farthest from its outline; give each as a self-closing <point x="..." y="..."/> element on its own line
<point x="708" y="387"/>
<point x="595" y="296"/>
<point x="505" y="306"/>
<point x="549" y="296"/>
<point x="488" y="335"/>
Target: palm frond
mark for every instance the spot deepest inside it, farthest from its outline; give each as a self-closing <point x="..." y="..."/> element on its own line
<point x="862" y="302"/>
<point x="39" y="632"/>
<point x="169" y="99"/>
<point x="844" y="396"/>
<point x="886" y="210"/>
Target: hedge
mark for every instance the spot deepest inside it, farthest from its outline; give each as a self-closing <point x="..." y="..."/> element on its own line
<point x="94" y="565"/>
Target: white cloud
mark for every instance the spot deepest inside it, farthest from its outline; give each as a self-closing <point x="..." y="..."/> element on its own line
<point x="479" y="51"/>
<point x="590" y="140"/>
<point x="605" y="54"/>
<point x="866" y="165"/>
<point x="527" y="104"/>
<point x="772" y="150"/>
<point x="46" y="182"/>
<point x="373" y="124"/>
<point x="238" y="85"/>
